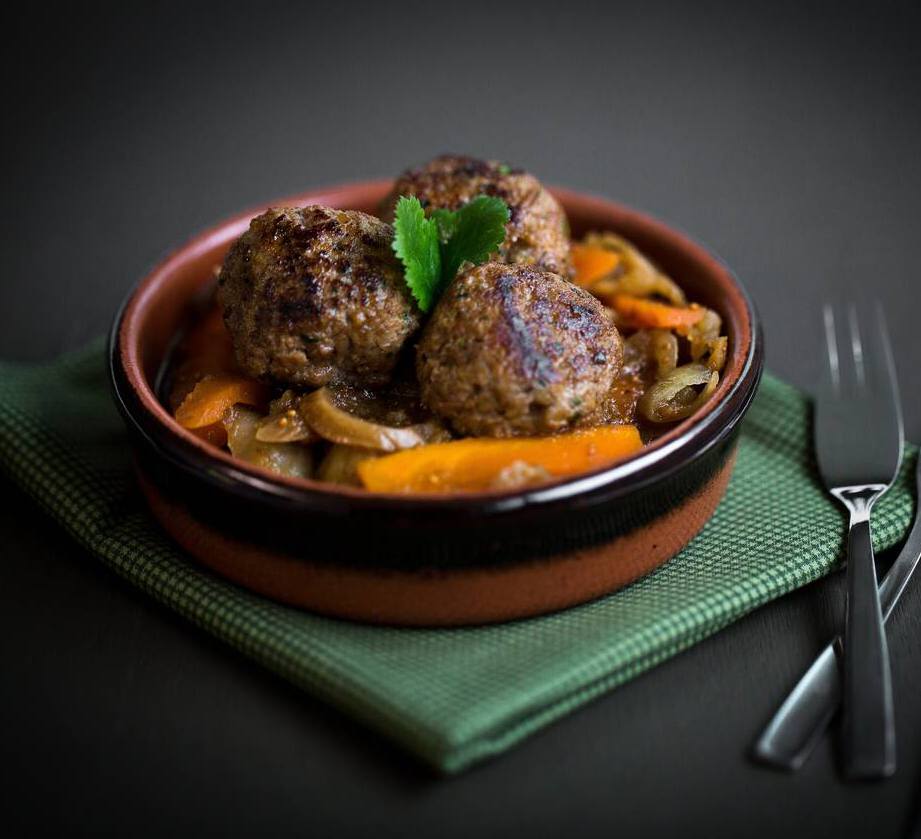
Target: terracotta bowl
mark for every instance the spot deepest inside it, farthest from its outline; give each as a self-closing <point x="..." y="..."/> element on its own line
<point x="417" y="559"/>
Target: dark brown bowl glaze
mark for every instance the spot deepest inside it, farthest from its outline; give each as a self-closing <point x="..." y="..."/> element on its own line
<point x="425" y="559"/>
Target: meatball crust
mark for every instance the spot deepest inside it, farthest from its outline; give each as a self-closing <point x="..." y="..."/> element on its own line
<point x="512" y="351"/>
<point x="537" y="232"/>
<point x="313" y="295"/>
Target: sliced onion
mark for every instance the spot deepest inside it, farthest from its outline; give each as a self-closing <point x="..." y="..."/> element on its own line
<point x="636" y="274"/>
<point x="340" y="466"/>
<point x="716" y="358"/>
<point x="674" y="397"/>
<point x="284" y="423"/>
<point x="520" y="474"/>
<point x="703" y="333"/>
<point x="656" y="346"/>
<point x="322" y="412"/>
<point x="242" y="425"/>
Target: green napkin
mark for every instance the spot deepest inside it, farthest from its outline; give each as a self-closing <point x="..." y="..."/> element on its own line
<point x="452" y="696"/>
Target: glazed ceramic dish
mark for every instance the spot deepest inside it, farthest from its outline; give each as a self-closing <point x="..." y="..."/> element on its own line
<point x="421" y="559"/>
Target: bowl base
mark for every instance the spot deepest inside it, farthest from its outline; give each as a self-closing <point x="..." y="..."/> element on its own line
<point x="444" y="598"/>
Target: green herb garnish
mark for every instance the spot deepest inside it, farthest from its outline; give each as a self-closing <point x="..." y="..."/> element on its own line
<point x="478" y="229"/>
<point x="416" y="243"/>
<point x="432" y="249"/>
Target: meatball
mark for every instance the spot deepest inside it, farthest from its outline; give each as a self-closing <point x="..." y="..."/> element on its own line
<point x="511" y="351"/>
<point x="314" y="295"/>
<point x="537" y="232"/>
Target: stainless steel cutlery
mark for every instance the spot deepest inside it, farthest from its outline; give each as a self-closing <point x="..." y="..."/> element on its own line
<point x="858" y="442"/>
<point x="799" y="723"/>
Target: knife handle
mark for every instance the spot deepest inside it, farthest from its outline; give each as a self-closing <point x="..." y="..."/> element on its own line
<point x="799" y="724"/>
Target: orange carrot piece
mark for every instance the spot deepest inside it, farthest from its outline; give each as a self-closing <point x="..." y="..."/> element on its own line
<point x="209" y="346"/>
<point x="208" y="327"/>
<point x="642" y="313"/>
<point x="592" y="263"/>
<point x="213" y="395"/>
<point x="476" y="463"/>
<point x="206" y="350"/>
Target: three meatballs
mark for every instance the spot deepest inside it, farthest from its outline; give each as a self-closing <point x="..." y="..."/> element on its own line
<point x="315" y="295"/>
<point x="537" y="232"/>
<point x="510" y="351"/>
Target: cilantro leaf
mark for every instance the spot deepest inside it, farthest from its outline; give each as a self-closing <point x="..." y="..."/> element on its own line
<point x="447" y="223"/>
<point x="478" y="230"/>
<point x="416" y="243"/>
<point x="433" y="249"/>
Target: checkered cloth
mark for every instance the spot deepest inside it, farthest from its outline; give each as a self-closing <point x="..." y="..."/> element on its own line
<point x="451" y="696"/>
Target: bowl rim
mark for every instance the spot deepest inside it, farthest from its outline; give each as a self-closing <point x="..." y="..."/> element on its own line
<point x="139" y="404"/>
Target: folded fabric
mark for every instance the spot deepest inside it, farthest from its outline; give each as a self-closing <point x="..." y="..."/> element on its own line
<point x="451" y="696"/>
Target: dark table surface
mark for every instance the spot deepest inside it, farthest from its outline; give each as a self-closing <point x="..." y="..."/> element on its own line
<point x="785" y="136"/>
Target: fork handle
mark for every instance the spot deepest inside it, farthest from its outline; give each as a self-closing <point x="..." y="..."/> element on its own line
<point x="868" y="722"/>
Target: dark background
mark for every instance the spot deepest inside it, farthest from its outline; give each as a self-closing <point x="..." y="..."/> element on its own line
<point x="784" y="136"/>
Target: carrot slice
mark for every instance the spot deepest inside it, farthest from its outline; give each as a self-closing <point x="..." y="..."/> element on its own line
<point x="642" y="313"/>
<point x="478" y="463"/>
<point x="213" y="395"/>
<point x="209" y="330"/>
<point x="592" y="263"/>
<point x="209" y="343"/>
<point x="207" y="350"/>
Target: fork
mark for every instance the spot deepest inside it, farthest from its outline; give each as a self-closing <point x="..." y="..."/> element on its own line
<point x="858" y="441"/>
<point x="800" y="722"/>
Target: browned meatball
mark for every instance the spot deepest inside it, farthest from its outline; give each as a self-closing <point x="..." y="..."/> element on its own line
<point x="537" y="232"/>
<point x="511" y="351"/>
<point x="314" y="295"/>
